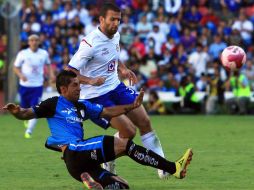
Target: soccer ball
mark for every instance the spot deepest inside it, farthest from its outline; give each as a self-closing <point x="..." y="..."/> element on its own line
<point x="233" y="58"/>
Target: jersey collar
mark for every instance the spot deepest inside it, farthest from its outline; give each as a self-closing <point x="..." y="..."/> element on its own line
<point x="101" y="35"/>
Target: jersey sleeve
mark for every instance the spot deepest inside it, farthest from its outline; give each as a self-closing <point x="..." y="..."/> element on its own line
<point x="93" y="111"/>
<point x="46" y="109"/>
<point x="102" y="122"/>
<point x="19" y="60"/>
<point x="82" y="56"/>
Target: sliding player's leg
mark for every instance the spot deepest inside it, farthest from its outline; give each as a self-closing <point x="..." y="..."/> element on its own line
<point x="148" y="136"/>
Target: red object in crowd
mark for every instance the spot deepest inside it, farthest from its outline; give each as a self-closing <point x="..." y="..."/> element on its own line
<point x="138" y="4"/>
<point x="140" y="47"/>
<point x="210" y="17"/>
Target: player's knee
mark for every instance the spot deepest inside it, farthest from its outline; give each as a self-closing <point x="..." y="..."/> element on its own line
<point x="129" y="132"/>
<point x="132" y="133"/>
<point x="120" y="146"/>
<point x="144" y="125"/>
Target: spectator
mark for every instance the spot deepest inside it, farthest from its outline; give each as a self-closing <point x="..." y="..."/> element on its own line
<point x="215" y="92"/>
<point x="192" y="18"/>
<point x="170" y="84"/>
<point x="161" y="21"/>
<point x="245" y="27"/>
<point x="210" y="20"/>
<point x="232" y="5"/>
<point x="149" y="63"/>
<point x="83" y="14"/>
<point x="90" y="27"/>
<point x="143" y="27"/>
<point x="124" y="55"/>
<point x="198" y="60"/>
<point x="48" y="26"/>
<point x="73" y="45"/>
<point x="175" y="29"/>
<point x="68" y="13"/>
<point x="158" y="37"/>
<point x="201" y="83"/>
<point x="139" y="47"/>
<point x="190" y="102"/>
<point x="235" y="37"/>
<point x="188" y="40"/>
<point x="248" y="71"/>
<point x="154" y="82"/>
<point x="240" y="86"/>
<point x="205" y="38"/>
<point x="216" y="47"/>
<point x="155" y="106"/>
<point x="181" y="72"/>
<point x="78" y="26"/>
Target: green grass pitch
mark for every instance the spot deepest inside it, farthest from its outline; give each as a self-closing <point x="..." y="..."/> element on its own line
<point x="223" y="157"/>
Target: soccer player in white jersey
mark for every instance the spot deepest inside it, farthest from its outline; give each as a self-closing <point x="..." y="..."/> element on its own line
<point x="97" y="65"/>
<point x="29" y="67"/>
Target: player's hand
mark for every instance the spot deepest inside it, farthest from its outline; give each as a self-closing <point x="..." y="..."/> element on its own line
<point x="23" y="78"/>
<point x="97" y="81"/>
<point x="12" y="108"/>
<point x="139" y="99"/>
<point x="131" y="76"/>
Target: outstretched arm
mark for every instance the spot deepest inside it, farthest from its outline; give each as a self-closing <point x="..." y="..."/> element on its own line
<point x="109" y="112"/>
<point x="18" y="112"/>
<point x="97" y="81"/>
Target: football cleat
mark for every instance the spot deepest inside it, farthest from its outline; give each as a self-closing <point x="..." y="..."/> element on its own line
<point x="163" y="175"/>
<point x="182" y="163"/>
<point x="28" y="135"/>
<point x="110" y="166"/>
<point x="89" y="182"/>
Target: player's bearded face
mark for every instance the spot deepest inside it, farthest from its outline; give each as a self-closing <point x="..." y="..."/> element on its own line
<point x="111" y="22"/>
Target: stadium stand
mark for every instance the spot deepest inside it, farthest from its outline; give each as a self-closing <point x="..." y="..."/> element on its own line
<point x="160" y="42"/>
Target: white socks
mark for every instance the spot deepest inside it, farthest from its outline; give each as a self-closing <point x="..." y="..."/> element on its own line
<point x="31" y="125"/>
<point x="152" y="142"/>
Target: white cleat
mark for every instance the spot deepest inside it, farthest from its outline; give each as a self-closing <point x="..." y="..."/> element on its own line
<point x="110" y="166"/>
<point x="163" y="175"/>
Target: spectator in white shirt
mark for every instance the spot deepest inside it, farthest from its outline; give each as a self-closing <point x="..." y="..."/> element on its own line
<point x="245" y="27"/>
<point x="143" y="27"/>
<point x="198" y="60"/>
<point x="158" y="37"/>
<point x="69" y="13"/>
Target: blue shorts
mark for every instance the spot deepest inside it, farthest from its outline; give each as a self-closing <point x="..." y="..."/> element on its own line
<point x="121" y="95"/>
<point x="30" y="96"/>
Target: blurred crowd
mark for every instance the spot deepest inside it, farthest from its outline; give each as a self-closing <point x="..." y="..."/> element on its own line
<point x="164" y="42"/>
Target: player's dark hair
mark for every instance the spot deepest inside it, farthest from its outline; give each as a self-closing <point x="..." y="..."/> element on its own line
<point x="108" y="6"/>
<point x="64" y="79"/>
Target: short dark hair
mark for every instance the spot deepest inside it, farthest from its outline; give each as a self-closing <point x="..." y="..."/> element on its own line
<point x="64" y="79"/>
<point x="108" y="6"/>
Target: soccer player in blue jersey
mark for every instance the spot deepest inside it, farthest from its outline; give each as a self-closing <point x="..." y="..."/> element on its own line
<point x="83" y="157"/>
